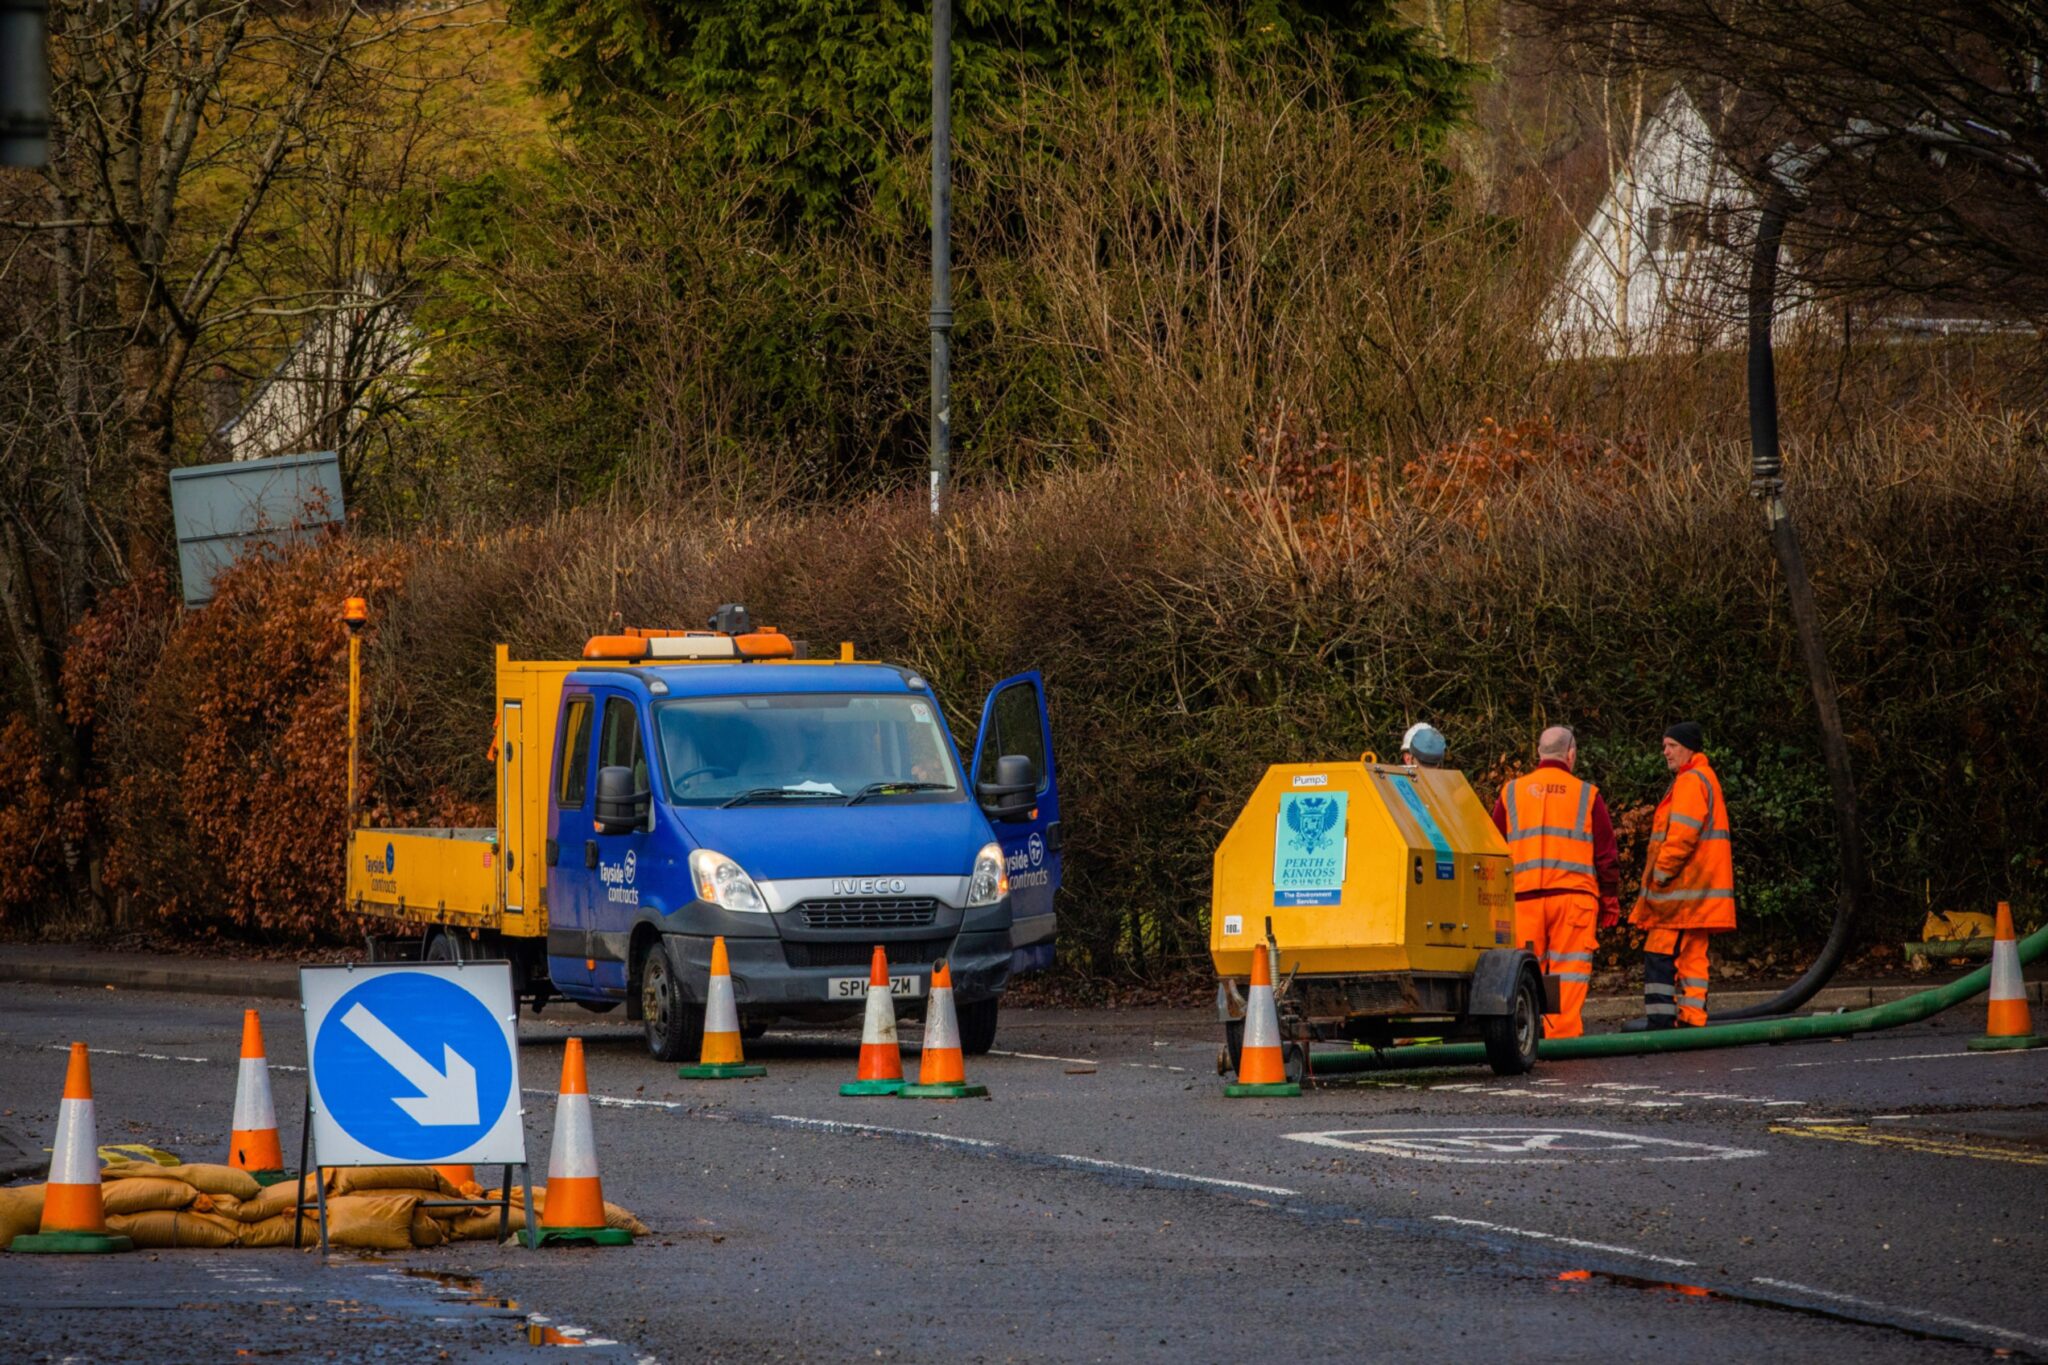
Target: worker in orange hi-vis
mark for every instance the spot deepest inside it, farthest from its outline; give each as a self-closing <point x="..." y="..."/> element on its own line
<point x="1688" y="890"/>
<point x="1567" y="874"/>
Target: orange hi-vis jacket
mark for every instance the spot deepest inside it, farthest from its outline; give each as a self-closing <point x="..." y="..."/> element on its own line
<point x="1689" y="877"/>
<point x="1550" y="832"/>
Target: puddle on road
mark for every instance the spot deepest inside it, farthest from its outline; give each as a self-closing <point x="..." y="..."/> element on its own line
<point x="1570" y="1282"/>
<point x="466" y="1288"/>
<point x="539" y="1329"/>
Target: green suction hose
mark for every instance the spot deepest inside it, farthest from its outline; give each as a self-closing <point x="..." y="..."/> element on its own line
<point x="1910" y="1010"/>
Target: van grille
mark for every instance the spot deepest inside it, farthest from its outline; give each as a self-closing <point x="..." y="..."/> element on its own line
<point x="899" y="913"/>
<point x="920" y="952"/>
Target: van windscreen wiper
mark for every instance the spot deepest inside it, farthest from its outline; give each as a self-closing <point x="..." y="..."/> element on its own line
<point x="892" y="788"/>
<point x="775" y="794"/>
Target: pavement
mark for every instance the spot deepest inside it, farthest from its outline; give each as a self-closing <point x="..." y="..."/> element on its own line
<point x="1878" y="1197"/>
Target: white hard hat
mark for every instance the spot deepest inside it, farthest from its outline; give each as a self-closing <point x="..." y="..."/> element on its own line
<point x="1424" y="741"/>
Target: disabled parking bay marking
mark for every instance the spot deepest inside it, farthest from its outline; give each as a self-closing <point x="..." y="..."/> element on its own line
<point x="1519" y="1146"/>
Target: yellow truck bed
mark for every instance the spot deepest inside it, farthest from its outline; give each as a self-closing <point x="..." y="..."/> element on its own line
<point x="491" y="879"/>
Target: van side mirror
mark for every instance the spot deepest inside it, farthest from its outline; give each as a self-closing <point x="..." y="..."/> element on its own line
<point x="1013" y="793"/>
<point x="621" y="805"/>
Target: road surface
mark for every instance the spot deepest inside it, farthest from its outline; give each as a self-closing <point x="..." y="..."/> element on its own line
<point x="1877" y="1199"/>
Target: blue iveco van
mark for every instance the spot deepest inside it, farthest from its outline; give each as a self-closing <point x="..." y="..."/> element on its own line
<point x="806" y="812"/>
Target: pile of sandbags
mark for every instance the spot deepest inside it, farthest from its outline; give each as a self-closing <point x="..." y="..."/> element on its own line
<point x="384" y="1208"/>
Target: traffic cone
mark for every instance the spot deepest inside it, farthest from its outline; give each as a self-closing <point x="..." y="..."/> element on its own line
<point x="941" y="1070"/>
<point x="574" y="1213"/>
<point x="2008" y="1022"/>
<point x="1261" y="1069"/>
<point x="74" y="1219"/>
<point x="721" y="1059"/>
<point x="881" y="1059"/>
<point x="463" y="1178"/>
<point x="253" y="1144"/>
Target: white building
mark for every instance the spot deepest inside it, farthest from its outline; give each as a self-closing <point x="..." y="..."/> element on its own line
<point x="1662" y="265"/>
<point x="349" y="367"/>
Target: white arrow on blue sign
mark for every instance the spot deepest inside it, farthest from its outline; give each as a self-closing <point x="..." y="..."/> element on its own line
<point x="413" y="1064"/>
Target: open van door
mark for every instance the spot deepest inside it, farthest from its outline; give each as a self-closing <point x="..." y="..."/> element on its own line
<point x="1016" y="724"/>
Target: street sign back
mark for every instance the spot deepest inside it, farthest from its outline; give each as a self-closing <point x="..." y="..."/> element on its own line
<point x="413" y="1064"/>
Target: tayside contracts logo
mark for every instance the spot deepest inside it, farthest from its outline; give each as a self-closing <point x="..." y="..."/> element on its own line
<point x="380" y="871"/>
<point x="618" y="880"/>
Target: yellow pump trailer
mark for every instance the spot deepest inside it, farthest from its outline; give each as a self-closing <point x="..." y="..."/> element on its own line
<point x="1384" y="893"/>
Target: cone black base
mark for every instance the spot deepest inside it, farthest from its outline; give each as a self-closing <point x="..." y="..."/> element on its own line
<point x="720" y="1071"/>
<point x="70" y="1243"/>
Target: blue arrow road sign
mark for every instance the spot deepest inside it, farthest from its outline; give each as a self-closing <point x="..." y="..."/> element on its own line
<point x="413" y="1064"/>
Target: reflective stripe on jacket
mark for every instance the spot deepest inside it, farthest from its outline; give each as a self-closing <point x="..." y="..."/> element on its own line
<point x="1689" y="875"/>
<point x="1549" y="830"/>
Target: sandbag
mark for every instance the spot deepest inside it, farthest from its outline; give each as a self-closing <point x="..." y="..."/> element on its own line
<point x="277" y="1231"/>
<point x="373" y="1179"/>
<point x="208" y="1179"/>
<point x="274" y="1200"/>
<point x="382" y="1222"/>
<point x="427" y="1230"/>
<point x="162" y="1229"/>
<point x="21" y="1212"/>
<point x="146" y="1196"/>
<point x="139" y="1151"/>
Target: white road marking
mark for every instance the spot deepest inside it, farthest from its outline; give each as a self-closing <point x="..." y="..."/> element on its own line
<point x="1580" y="1243"/>
<point x="611" y="1101"/>
<point x="1042" y="1057"/>
<point x="836" y="1126"/>
<point x="1096" y="1164"/>
<point x="1942" y="1319"/>
<point x="1524" y="1146"/>
<point x="1868" y="1061"/>
<point x="120" y="1052"/>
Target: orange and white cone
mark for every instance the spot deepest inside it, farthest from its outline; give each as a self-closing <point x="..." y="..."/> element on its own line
<point x="253" y="1144"/>
<point x="2008" y="1023"/>
<point x="74" y="1218"/>
<point x="1261" y="1065"/>
<point x="574" y="1214"/>
<point x="941" y="1068"/>
<point x="881" y="1058"/>
<point x="463" y="1178"/>
<point x="721" y="1058"/>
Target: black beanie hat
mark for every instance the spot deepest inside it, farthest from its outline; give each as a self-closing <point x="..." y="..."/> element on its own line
<point x="1689" y="734"/>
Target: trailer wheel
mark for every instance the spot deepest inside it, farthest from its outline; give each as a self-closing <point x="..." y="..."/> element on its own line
<point x="442" y="947"/>
<point x="1511" y="1038"/>
<point x="675" y="1027"/>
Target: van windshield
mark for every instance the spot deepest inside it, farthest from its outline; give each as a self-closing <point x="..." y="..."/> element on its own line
<point x="720" y="750"/>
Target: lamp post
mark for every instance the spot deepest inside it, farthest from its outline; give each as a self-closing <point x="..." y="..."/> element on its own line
<point x="24" y="84"/>
<point x="942" y="254"/>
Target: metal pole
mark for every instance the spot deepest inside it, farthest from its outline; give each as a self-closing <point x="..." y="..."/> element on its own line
<point x="24" y="84"/>
<point x="942" y="252"/>
<point x="355" y="695"/>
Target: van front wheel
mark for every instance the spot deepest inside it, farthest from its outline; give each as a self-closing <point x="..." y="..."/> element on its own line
<point x="675" y="1027"/>
<point x="978" y="1025"/>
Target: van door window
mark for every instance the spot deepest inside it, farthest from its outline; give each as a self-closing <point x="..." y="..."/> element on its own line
<point x="1015" y="729"/>
<point x="572" y="755"/>
<point x="619" y="746"/>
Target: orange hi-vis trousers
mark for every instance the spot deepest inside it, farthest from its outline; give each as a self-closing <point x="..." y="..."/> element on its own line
<point x="1675" y="977"/>
<point x="1559" y="930"/>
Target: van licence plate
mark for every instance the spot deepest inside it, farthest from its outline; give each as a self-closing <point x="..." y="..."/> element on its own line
<point x="856" y="987"/>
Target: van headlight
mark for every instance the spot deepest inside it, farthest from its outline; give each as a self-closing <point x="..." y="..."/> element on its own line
<point x="724" y="882"/>
<point x="990" y="882"/>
